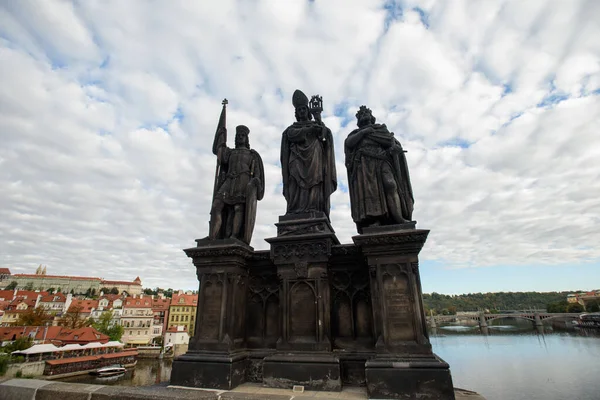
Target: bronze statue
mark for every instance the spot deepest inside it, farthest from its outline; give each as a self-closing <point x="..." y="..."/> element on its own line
<point x="239" y="184"/>
<point x="307" y="158"/>
<point x="378" y="179"/>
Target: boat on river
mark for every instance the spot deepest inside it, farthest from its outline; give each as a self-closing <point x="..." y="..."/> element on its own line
<point x="110" y="370"/>
<point x="588" y="321"/>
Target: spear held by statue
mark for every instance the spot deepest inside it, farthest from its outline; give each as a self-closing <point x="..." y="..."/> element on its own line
<point x="219" y="140"/>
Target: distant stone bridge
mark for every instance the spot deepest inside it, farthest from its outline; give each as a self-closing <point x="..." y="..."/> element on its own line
<point x="484" y="319"/>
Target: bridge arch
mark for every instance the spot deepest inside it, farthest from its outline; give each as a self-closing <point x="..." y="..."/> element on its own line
<point x="516" y="316"/>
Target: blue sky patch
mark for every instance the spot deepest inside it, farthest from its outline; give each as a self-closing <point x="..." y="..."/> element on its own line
<point x="553" y="99"/>
<point x="393" y="12"/>
<point x="423" y="16"/>
<point x="456" y="142"/>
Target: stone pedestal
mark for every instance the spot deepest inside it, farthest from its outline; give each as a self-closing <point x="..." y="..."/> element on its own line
<point x="217" y="354"/>
<point x="301" y="253"/>
<point x="404" y="365"/>
<point x="315" y="313"/>
<point x="314" y="371"/>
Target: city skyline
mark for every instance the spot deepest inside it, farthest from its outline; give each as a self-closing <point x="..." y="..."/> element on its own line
<point x="106" y="166"/>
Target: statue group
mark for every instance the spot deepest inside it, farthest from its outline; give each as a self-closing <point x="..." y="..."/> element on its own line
<point x="378" y="178"/>
<point x="312" y="311"/>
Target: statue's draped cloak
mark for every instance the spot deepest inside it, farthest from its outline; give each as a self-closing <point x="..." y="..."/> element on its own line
<point x="308" y="167"/>
<point x="366" y="161"/>
<point x="237" y="168"/>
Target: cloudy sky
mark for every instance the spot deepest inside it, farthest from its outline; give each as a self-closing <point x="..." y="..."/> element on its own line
<point x="108" y="110"/>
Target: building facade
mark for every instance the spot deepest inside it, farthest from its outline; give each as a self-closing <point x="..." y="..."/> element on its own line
<point x="137" y="320"/>
<point x="130" y="288"/>
<point x="182" y="311"/>
<point x="160" y="311"/>
<point x="74" y="284"/>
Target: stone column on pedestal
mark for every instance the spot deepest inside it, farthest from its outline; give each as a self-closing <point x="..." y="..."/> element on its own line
<point x="216" y="356"/>
<point x="404" y="365"/>
<point x="301" y="253"/>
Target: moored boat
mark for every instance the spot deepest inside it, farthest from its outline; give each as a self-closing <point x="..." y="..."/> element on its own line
<point x="588" y="321"/>
<point x="109" y="370"/>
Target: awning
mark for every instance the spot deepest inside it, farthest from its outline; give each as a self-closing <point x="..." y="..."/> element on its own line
<point x="93" y="345"/>
<point x="69" y="347"/>
<point x="37" y="349"/>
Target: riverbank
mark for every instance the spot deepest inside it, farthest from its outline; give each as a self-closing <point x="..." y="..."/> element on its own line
<point x="33" y="389"/>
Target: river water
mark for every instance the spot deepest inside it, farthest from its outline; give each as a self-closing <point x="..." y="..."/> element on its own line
<point x="511" y="363"/>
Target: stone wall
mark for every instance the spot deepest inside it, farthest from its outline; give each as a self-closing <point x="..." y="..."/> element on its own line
<point x="27" y="369"/>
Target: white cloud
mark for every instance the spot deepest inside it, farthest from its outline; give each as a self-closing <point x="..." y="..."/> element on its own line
<point x="108" y="111"/>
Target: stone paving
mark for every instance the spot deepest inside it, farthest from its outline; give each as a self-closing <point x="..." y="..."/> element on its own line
<point x="256" y="391"/>
<point x="33" y="389"/>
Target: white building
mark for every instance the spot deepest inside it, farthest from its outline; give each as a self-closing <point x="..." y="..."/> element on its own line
<point x="177" y="335"/>
<point x="137" y="320"/>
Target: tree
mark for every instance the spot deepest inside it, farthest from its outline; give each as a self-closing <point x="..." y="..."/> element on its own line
<point x="148" y="291"/>
<point x="51" y="290"/>
<point x="74" y="319"/>
<point x="58" y="290"/>
<point x="105" y="325"/>
<point x="157" y="341"/>
<point x="22" y="343"/>
<point x="11" y="286"/>
<point x="593" y="307"/>
<point x="558" y="307"/>
<point x="34" y="317"/>
<point x="575" y="308"/>
<point x="29" y="286"/>
<point x="114" y="290"/>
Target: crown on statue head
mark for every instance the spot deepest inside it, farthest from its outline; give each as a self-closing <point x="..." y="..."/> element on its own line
<point x="363" y="109"/>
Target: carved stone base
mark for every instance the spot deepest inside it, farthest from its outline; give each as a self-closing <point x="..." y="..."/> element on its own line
<point x="426" y="378"/>
<point x="212" y="371"/>
<point x="389" y="228"/>
<point x="313" y="371"/>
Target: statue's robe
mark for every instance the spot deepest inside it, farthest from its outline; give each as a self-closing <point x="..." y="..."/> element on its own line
<point x="237" y="168"/>
<point x="308" y="167"/>
<point x="376" y="154"/>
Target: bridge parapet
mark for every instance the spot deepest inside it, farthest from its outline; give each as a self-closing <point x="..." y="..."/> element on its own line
<point x="531" y="316"/>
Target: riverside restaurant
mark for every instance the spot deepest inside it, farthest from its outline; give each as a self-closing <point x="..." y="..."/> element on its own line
<point x="76" y="359"/>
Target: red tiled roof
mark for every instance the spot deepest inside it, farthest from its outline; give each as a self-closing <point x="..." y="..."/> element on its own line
<point x="85" y="305"/>
<point x="161" y="304"/>
<point x="91" y="358"/>
<point x="4" y="271"/>
<point x="30" y="294"/>
<point x="132" y="302"/>
<point x="7" y="333"/>
<point x="81" y="278"/>
<point x="4" y="304"/>
<point x="111" y="297"/>
<point x="174" y="329"/>
<point x="7" y="294"/>
<point x="50" y="298"/>
<point x="14" y="303"/>
<point x="81" y="335"/>
<point x="189" y="300"/>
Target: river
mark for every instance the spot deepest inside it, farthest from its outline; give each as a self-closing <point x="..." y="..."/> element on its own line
<point x="511" y="363"/>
